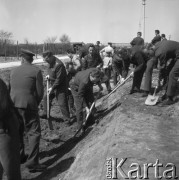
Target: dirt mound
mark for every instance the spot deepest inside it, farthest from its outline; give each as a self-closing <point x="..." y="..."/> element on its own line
<point x="127" y="129"/>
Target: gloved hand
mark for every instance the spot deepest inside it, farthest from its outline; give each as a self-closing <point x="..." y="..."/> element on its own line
<point x="47" y="77"/>
<point x="87" y="110"/>
<point x="100" y="87"/>
<point x="122" y="80"/>
<point x="49" y="90"/>
<point x="132" y="74"/>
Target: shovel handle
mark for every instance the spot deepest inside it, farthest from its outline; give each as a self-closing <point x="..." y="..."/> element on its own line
<point x="48" y="108"/>
<point x="155" y="90"/>
<point x="118" y="85"/>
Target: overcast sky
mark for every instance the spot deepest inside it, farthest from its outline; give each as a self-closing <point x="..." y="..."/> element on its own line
<point x="88" y="20"/>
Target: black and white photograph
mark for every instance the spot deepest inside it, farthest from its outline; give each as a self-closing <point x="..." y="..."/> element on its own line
<point x="89" y="89"/>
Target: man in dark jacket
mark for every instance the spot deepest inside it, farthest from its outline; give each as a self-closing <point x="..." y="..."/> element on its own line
<point x="157" y="37"/>
<point x="58" y="78"/>
<point x="91" y="60"/>
<point x="82" y="90"/>
<point x="155" y="40"/>
<point x="26" y="90"/>
<point x="166" y="50"/>
<point x="138" y="41"/>
<point x="139" y="59"/>
<point x="120" y="64"/>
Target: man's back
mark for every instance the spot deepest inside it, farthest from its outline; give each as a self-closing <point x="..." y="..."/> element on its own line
<point x="168" y="47"/>
<point x="137" y="41"/>
<point x="156" y="39"/>
<point x="82" y="77"/>
<point x="26" y="83"/>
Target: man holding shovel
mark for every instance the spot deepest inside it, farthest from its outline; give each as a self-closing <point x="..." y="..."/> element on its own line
<point x="166" y="50"/>
<point x="82" y="90"/>
<point x="58" y="78"/>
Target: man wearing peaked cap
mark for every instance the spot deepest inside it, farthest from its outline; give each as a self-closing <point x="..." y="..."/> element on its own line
<point x="27" y="53"/>
<point x="59" y="88"/>
<point x="26" y="90"/>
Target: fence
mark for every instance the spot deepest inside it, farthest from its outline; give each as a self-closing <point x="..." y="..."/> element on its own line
<point x="13" y="50"/>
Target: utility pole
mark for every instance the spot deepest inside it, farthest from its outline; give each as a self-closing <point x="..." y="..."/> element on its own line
<point x="143" y="3"/>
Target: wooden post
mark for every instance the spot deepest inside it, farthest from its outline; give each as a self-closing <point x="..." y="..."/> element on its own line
<point x="43" y="47"/>
<point x="36" y="50"/>
<point x="5" y="49"/>
<point x="17" y="50"/>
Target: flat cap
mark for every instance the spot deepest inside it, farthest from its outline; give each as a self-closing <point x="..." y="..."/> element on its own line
<point x="26" y="52"/>
<point x="47" y="53"/>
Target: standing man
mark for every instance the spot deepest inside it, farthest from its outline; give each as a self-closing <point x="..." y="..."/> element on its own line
<point x="157" y="37"/>
<point x="97" y="47"/>
<point x="155" y="40"/>
<point x="75" y="59"/>
<point x="163" y="37"/>
<point x="107" y="50"/>
<point x="58" y="80"/>
<point x="164" y="51"/>
<point x="92" y="59"/>
<point x="26" y="90"/>
<point x="138" y="41"/>
<point x="82" y="90"/>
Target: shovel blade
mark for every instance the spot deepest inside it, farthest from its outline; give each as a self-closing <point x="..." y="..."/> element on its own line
<point x="151" y="100"/>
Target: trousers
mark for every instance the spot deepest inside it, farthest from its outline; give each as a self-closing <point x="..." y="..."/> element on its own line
<point x="10" y="148"/>
<point x="62" y="101"/>
<point x="30" y="123"/>
<point x="148" y="74"/>
<point x="173" y="77"/>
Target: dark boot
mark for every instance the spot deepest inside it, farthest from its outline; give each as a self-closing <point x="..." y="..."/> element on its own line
<point x="168" y="101"/>
<point x="145" y="94"/>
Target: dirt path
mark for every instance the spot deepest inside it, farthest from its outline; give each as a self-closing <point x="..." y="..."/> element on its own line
<point x="5" y="65"/>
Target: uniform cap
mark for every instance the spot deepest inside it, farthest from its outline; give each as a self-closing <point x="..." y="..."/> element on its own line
<point x="26" y="53"/>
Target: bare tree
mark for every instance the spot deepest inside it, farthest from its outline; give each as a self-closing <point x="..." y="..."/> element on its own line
<point x="65" y="38"/>
<point x="26" y="41"/>
<point x="5" y="37"/>
<point x="50" y="40"/>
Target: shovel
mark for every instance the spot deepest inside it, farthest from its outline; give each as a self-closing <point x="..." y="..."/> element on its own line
<point x="152" y="99"/>
<point x="48" y="108"/>
<point x="117" y="86"/>
<point x="87" y="116"/>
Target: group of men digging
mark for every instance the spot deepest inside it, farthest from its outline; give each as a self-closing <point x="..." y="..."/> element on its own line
<point x="72" y="83"/>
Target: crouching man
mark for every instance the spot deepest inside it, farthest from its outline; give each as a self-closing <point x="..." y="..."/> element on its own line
<point x="82" y="90"/>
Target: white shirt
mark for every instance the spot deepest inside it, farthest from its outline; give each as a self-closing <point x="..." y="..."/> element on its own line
<point x="108" y="49"/>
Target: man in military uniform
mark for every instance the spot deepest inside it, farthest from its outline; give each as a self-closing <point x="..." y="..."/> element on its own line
<point x="26" y="90"/>
<point x="166" y="50"/>
<point x="138" y="41"/>
<point x="58" y="78"/>
<point x="82" y="90"/>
